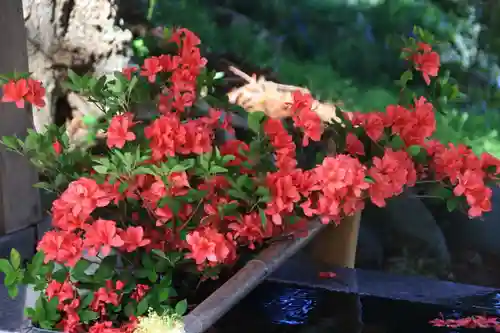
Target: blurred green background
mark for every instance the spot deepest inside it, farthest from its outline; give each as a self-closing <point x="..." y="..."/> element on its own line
<point x="348" y="50"/>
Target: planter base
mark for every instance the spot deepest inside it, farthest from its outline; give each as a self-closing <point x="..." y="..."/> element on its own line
<point x="336" y="244"/>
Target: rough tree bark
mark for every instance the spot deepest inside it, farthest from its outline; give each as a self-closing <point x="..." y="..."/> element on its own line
<point x="83" y="35"/>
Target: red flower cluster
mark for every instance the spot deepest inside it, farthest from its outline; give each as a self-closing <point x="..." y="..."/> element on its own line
<point x="305" y="118"/>
<point x="413" y="125"/>
<point x="21" y="90"/>
<point x="467" y="172"/>
<point x="170" y="190"/>
<point x="468" y="322"/>
<point x="426" y="61"/>
<point x="390" y="174"/>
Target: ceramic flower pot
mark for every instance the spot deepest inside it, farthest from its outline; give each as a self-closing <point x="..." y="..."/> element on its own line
<point x="336" y="245"/>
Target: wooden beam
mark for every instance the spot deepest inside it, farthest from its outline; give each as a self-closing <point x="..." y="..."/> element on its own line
<point x="19" y="201"/>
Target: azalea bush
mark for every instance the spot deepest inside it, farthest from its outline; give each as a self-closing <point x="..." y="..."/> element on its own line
<point x="152" y="200"/>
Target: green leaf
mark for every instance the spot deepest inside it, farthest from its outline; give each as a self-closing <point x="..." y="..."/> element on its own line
<point x="75" y="79"/>
<point x="79" y="270"/>
<point x="405" y="77"/>
<point x="218" y="75"/>
<point x="86" y="316"/>
<point x="164" y="295"/>
<point x="15" y="259"/>
<point x="441" y="192"/>
<point x="263" y="218"/>
<point x="228" y="158"/>
<point x="10" y="278"/>
<point x="10" y="142"/>
<point x="5" y="266"/>
<point x="106" y="269"/>
<point x="89" y="120"/>
<point x="142" y="307"/>
<point x="159" y="253"/>
<point x="51" y="309"/>
<point x="452" y="203"/>
<point x="237" y="194"/>
<point x="87" y="299"/>
<point x="29" y="313"/>
<point x="397" y="143"/>
<point x="129" y="309"/>
<point x="100" y="169"/>
<point x="414" y="150"/>
<point x="181" y="307"/>
<point x="369" y="179"/>
<point x="262" y="191"/>
<point x="37" y="260"/>
<point x="123" y="187"/>
<point x="12" y="291"/>
<point x="218" y="169"/>
<point x="43" y="186"/>
<point x="254" y="120"/>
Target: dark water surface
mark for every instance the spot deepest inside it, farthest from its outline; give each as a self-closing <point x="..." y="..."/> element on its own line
<point x="285" y="308"/>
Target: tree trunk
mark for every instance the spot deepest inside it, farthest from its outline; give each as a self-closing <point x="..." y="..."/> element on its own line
<point x="82" y="35"/>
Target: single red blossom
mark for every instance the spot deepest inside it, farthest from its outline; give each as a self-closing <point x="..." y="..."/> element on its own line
<point x="103" y="327"/>
<point x="237" y="149"/>
<point x="63" y="247"/>
<point x="428" y="63"/>
<point x="139" y="292"/>
<point x="133" y="238"/>
<point x="36" y="93"/>
<point x="327" y="275"/>
<point x="119" y="130"/>
<point x="15" y="91"/>
<point x="101" y="236"/>
<point x="151" y="68"/>
<point x="208" y="246"/>
<point x="70" y="322"/>
<point x="188" y="38"/>
<point x="165" y="134"/>
<point x="354" y="146"/>
<point x="284" y="188"/>
<point x="390" y="174"/>
<point x="251" y="229"/>
<point x="106" y="295"/>
<point x="63" y="291"/>
<point x="305" y="118"/>
<point x="282" y="143"/>
<point x="342" y="180"/>
<point x="57" y="147"/>
<point x="374" y="125"/>
<point x="128" y="71"/>
<point x="72" y="209"/>
<point x="130" y="326"/>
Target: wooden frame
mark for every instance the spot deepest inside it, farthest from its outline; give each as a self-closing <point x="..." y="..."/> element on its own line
<point x="19" y="201"/>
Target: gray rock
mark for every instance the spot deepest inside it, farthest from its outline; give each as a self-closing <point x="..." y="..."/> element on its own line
<point x="475" y="234"/>
<point x="370" y="251"/>
<point x="406" y="221"/>
<point x="22" y="240"/>
<point x="82" y="35"/>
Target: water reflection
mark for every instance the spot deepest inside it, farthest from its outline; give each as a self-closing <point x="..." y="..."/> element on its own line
<point x="284" y="308"/>
<point x="291" y="305"/>
<point x="489" y="303"/>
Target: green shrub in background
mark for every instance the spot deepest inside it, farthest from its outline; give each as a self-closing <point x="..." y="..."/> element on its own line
<point x="342" y="52"/>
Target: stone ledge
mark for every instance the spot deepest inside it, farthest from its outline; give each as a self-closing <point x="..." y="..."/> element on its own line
<point x="24" y="240"/>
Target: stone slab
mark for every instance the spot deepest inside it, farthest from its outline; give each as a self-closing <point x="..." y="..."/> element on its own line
<point x="22" y="240"/>
<point x="300" y="270"/>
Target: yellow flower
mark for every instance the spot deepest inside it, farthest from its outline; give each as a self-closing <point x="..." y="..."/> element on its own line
<point x="165" y="323"/>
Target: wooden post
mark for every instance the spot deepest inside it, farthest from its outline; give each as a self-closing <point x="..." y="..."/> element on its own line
<point x="19" y="201"/>
<point x="336" y="245"/>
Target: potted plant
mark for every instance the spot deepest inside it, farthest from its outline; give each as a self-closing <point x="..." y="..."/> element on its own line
<point x="150" y="205"/>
